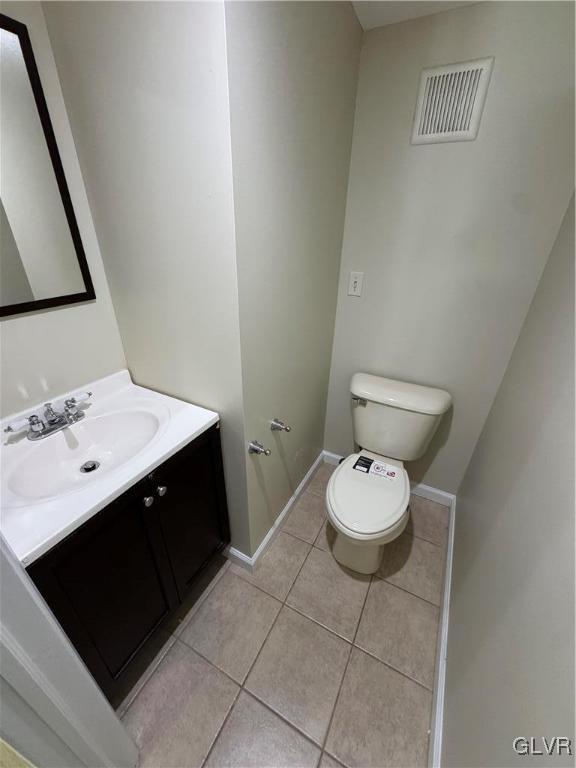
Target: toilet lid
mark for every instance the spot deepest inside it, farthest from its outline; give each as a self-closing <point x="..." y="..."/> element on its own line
<point x="368" y="493"/>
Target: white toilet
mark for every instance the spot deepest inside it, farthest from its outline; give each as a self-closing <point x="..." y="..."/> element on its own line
<point x="367" y="495"/>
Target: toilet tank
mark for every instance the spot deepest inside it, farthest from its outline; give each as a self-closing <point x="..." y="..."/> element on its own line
<point x="394" y="418"/>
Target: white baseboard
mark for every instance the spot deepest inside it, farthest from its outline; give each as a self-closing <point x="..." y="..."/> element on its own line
<point x="332" y="458"/>
<point x="433" y="494"/>
<point x="238" y="557"/>
<point x="249" y="562"/>
<point x="437" y="729"/>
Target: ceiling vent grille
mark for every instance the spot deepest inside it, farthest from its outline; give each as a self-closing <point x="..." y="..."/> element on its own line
<point x="450" y="102"/>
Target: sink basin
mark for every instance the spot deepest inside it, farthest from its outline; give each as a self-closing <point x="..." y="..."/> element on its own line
<point x="72" y="459"/>
<point x="127" y="432"/>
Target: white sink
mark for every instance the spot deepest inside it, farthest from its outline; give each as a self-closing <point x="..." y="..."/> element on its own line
<point x="127" y="432"/>
<point x="53" y="466"/>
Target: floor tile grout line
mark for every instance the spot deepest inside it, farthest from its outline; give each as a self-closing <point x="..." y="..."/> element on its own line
<point x="315" y="493"/>
<point x="354" y="646"/>
<point x="318" y="623"/>
<point x="298" y="610"/>
<point x="325" y="741"/>
<point x="395" y="669"/>
<point x="298" y="538"/>
<point x="207" y="660"/>
<point x="245" y="571"/>
<point x="191" y="647"/>
<point x="362" y="609"/>
<point x="247" y="675"/>
<point x="174" y="636"/>
<point x="349" y="642"/>
<point x="423" y="538"/>
<point x="352" y="643"/>
<point x="336" y="700"/>
<point x="263" y="591"/>
<point x="282" y="717"/>
<point x="298" y="574"/>
<point x="299" y="570"/>
<point x="407" y="591"/>
<point x="283" y="603"/>
<point x="202" y="598"/>
<point x="162" y="653"/>
<point x="242" y="686"/>
<point x="219" y="731"/>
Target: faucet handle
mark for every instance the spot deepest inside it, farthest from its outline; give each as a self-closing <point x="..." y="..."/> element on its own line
<point x="71" y="406"/>
<point x="32" y="423"/>
<point x="81" y="397"/>
<point x="35" y="423"/>
<point x="50" y="414"/>
<point x="17" y="426"/>
<point x="71" y="403"/>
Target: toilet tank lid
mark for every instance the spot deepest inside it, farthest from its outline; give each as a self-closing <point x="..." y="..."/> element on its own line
<point x="400" y="394"/>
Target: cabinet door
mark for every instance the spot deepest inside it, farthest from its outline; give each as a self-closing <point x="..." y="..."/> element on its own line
<point x="110" y="585"/>
<point x="192" y="513"/>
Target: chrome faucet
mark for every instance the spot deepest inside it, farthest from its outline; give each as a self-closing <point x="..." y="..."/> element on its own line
<point x="52" y="420"/>
<point x="52" y="417"/>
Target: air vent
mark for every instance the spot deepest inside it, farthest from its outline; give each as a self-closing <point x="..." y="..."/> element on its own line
<point x="450" y="102"/>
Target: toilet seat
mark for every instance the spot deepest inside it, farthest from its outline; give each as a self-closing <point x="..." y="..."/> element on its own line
<point x="367" y="496"/>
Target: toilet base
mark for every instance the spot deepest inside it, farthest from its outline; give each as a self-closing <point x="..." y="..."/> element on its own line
<point x="362" y="558"/>
<point x="365" y="556"/>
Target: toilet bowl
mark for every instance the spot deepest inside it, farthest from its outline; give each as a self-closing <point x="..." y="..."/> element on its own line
<point x="367" y="504"/>
<point x="367" y="495"/>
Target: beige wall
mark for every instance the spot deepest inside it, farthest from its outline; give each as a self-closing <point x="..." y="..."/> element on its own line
<point x="452" y="237"/>
<point x="146" y="88"/>
<point x="511" y="640"/>
<point x="292" y="73"/>
<point x="47" y="353"/>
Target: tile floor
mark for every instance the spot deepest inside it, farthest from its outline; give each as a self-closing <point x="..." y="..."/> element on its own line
<point x="303" y="663"/>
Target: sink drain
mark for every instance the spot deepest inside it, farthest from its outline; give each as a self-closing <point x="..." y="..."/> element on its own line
<point x="89" y="466"/>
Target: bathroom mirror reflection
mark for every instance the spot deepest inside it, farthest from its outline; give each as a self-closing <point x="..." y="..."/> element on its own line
<point x="42" y="261"/>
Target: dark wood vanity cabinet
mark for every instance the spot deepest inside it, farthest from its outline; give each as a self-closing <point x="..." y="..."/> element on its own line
<point x="115" y="583"/>
<point x="188" y="480"/>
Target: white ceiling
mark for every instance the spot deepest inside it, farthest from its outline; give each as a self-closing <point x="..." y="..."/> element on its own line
<point x="374" y="13"/>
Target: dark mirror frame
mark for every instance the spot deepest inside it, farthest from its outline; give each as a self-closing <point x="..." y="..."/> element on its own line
<point x="19" y="29"/>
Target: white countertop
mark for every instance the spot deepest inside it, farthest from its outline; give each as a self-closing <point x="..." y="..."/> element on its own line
<point x="33" y="526"/>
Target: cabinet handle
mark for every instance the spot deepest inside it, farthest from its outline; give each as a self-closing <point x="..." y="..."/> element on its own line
<point x="148" y="501"/>
<point x="161" y="490"/>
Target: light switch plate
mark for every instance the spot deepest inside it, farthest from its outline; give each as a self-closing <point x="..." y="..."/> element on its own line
<point x="355" y="283"/>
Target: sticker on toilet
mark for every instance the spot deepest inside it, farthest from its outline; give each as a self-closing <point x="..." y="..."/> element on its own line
<point x="384" y="470"/>
<point x="372" y="467"/>
<point x="363" y="464"/>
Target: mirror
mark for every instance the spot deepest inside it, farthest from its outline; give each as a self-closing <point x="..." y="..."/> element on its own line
<point x="42" y="261"/>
